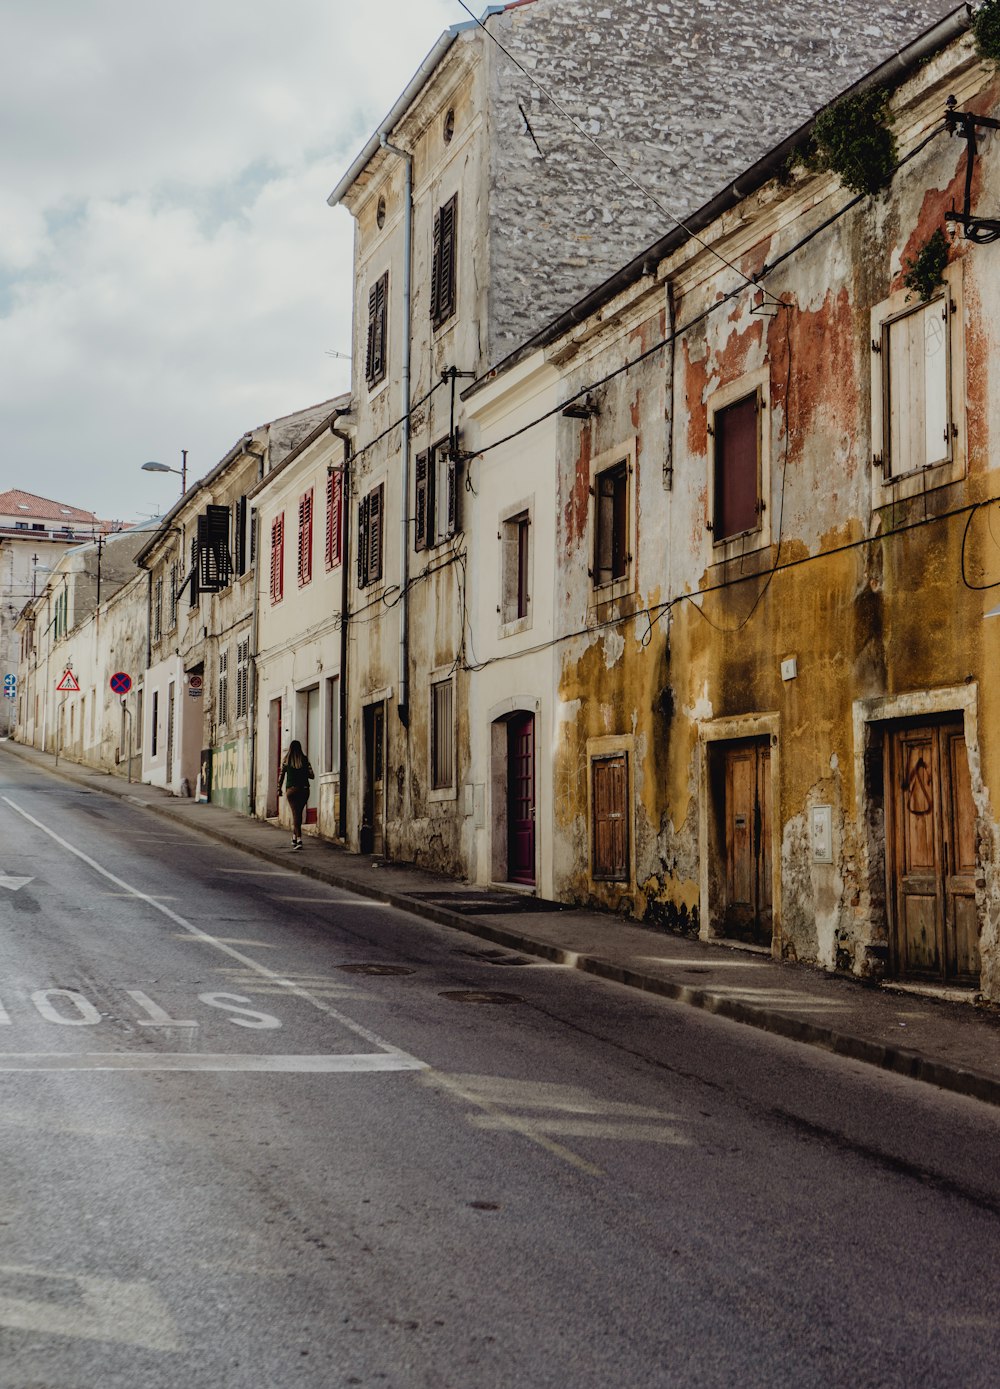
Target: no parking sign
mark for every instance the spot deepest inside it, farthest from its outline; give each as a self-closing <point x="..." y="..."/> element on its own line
<point x="121" y="683"/>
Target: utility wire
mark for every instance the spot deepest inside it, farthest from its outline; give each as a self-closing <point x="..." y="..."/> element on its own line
<point x="606" y="154"/>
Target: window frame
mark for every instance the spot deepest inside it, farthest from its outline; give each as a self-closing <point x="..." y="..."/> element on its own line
<point x="516" y="568"/>
<point x="624" y="583"/>
<point x="440" y="789"/>
<point x="756" y="383"/>
<point x="889" y="485"/>
<point x="435" y="476"/>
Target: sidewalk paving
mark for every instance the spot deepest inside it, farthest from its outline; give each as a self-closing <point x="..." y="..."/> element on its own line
<point x="953" y="1045"/>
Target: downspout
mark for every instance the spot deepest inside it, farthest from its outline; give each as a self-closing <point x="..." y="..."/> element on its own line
<point x="252" y="692"/>
<point x="404" y="482"/>
<point x="345" y="598"/>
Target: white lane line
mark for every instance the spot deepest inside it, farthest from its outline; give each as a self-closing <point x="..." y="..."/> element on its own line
<point x="275" y="978"/>
<point x="259" y="872"/>
<point x="86" y="1308"/>
<point x="222" y="940"/>
<point x="351" y="1064"/>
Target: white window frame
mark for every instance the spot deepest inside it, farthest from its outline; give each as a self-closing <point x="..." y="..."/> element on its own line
<point x="892" y="479"/>
<point x="508" y="626"/>
<point x="745" y="542"/>
<point x="627" y="583"/>
<point x="449" y="792"/>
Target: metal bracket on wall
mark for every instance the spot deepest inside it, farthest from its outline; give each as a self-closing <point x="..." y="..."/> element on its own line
<point x="981" y="230"/>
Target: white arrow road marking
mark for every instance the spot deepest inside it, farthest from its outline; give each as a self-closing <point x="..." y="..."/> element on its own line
<point x="13" y="883"/>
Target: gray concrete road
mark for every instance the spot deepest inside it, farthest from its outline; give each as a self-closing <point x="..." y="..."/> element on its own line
<point x="257" y="1132"/>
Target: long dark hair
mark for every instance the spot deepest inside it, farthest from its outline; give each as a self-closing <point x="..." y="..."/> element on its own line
<point x="295" y="757"/>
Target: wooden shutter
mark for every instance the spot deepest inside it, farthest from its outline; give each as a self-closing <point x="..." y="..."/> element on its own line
<point x="451" y="518"/>
<point x="422" y="499"/>
<point x="334" y="518"/>
<point x="610" y="817"/>
<point x="737" y="471"/>
<point x="193" y="574"/>
<point x="375" y="511"/>
<point x="214" y="562"/>
<point x="375" y="361"/>
<point x="277" y="558"/>
<point x="305" y="537"/>
<point x="240" y="536"/>
<point x="362" y="542"/>
<point x="443" y="276"/>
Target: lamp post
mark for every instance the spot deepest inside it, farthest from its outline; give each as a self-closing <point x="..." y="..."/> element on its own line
<point x="181" y="472"/>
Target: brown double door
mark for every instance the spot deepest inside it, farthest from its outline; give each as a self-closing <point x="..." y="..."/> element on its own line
<point x="931" y="854"/>
<point x="748" y="911"/>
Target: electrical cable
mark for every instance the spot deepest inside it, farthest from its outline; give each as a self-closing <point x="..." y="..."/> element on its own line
<point x="606" y="154"/>
<point x="976" y="588"/>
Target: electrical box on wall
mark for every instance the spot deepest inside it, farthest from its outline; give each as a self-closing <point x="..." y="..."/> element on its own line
<point x="789" y="668"/>
<point x="822" y="833"/>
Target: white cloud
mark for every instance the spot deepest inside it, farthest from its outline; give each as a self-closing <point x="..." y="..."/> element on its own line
<point x="170" y="274"/>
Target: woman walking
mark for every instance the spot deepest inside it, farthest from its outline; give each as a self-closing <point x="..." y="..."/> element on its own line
<point x="296" y="775"/>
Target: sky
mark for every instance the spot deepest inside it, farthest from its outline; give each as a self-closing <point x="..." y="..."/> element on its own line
<point x="170" y="273"/>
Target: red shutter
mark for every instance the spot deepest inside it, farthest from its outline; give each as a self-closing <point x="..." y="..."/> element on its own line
<point x="305" y="537"/>
<point x="334" y="518"/>
<point x="278" y="558"/>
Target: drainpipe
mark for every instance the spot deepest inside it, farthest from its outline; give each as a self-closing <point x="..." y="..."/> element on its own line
<point x="404" y="527"/>
<point x="252" y="674"/>
<point x="345" y="598"/>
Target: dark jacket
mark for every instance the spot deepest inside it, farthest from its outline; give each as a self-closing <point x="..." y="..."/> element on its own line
<point x="295" y="776"/>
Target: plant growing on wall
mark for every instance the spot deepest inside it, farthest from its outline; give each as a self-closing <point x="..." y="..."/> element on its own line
<point x="854" y="140"/>
<point x="986" y="29"/>
<point x="925" y="271"/>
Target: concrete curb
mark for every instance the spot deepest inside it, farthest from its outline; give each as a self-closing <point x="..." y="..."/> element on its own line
<point x="899" y="1060"/>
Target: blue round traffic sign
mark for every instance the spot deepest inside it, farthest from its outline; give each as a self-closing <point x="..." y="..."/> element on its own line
<point x="121" y="683"/>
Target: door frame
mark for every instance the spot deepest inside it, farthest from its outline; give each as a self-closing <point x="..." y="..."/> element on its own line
<point x="871" y="719"/>
<point x="366" y="824"/>
<point x="499" y="716"/>
<point x="712" y="872"/>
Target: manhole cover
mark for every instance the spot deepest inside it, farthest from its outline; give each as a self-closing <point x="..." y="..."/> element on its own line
<point x="374" y="969"/>
<point x="479" y="996"/>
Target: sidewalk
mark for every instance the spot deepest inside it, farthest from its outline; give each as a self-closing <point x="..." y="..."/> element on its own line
<point x="949" y="1044"/>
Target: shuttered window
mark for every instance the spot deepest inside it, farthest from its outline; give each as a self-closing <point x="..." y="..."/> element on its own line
<point x="442" y="735"/>
<point x="611" y="530"/>
<point x="375" y="356"/>
<point x="609" y="803"/>
<point x="278" y="558"/>
<point x="240" y="547"/>
<point x="157" y="610"/>
<point x="737" y="468"/>
<point x="222" y="712"/>
<point x="193" y="575"/>
<point x="305" y="537"/>
<point x="214" y="560"/>
<point x="515" y="540"/>
<point x="435" y="502"/>
<point x="917" y="429"/>
<point x="370" y="525"/>
<point x="243" y="678"/>
<point x="443" y="274"/>
<point x="175" y="579"/>
<point x="334" y="519"/>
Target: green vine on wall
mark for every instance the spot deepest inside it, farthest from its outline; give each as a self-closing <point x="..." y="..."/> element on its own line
<point x="986" y="30"/>
<point x="853" y="139"/>
<point x="925" y="271"/>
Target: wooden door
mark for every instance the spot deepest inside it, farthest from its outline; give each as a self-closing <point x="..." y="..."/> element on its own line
<point x="748" y="910"/>
<point x="521" y="799"/>
<point x="273" y="757"/>
<point x="609" y="800"/>
<point x="931" y="859"/>
<point x="373" y="810"/>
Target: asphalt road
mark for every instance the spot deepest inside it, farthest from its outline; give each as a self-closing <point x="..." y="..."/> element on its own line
<point x="257" y="1132"/>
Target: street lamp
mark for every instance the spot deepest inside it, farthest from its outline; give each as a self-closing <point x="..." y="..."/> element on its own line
<point x="181" y="472"/>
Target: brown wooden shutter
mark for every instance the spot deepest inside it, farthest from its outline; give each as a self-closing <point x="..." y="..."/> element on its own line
<point x="375" y="357"/>
<point x="278" y="558"/>
<point x="737" y="495"/>
<point x="375" y="509"/>
<point x="305" y="537"/>
<point x="443" y="278"/>
<point x="334" y="518"/>
<point x="421" y="500"/>
<point x="610" y="813"/>
<point x="362" y="542"/>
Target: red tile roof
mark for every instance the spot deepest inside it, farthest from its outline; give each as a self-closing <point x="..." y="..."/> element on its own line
<point x="30" y="507"/>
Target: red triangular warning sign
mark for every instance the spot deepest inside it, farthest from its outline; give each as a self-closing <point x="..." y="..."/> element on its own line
<point x="68" y="683"/>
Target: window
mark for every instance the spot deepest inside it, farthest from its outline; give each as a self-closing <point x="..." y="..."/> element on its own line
<point x="306" y="537"/>
<point x="153" y="723"/>
<point x="375" y="355"/>
<point x="334" y="518"/>
<point x="278" y="558"/>
<point x="435" y="497"/>
<point x="609" y="817"/>
<point x="370" y="517"/>
<point x="214" y="560"/>
<point x="443" y="276"/>
<point x="737" y="500"/>
<point x="331" y="738"/>
<point x="515" y="559"/>
<point x="442" y="735"/>
<point x="612" y="555"/>
<point x="242" y="544"/>
<point x="157" y="609"/>
<point x="917" y="426"/>
<point x="243" y="678"/>
<point x="175" y="575"/>
<point x="192" y="578"/>
<point x="222" y="712"/>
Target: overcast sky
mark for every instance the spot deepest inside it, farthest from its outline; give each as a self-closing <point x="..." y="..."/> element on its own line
<point x="170" y="273"/>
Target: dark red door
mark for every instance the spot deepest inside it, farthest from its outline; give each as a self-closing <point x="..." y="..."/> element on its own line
<point x="521" y="799"/>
